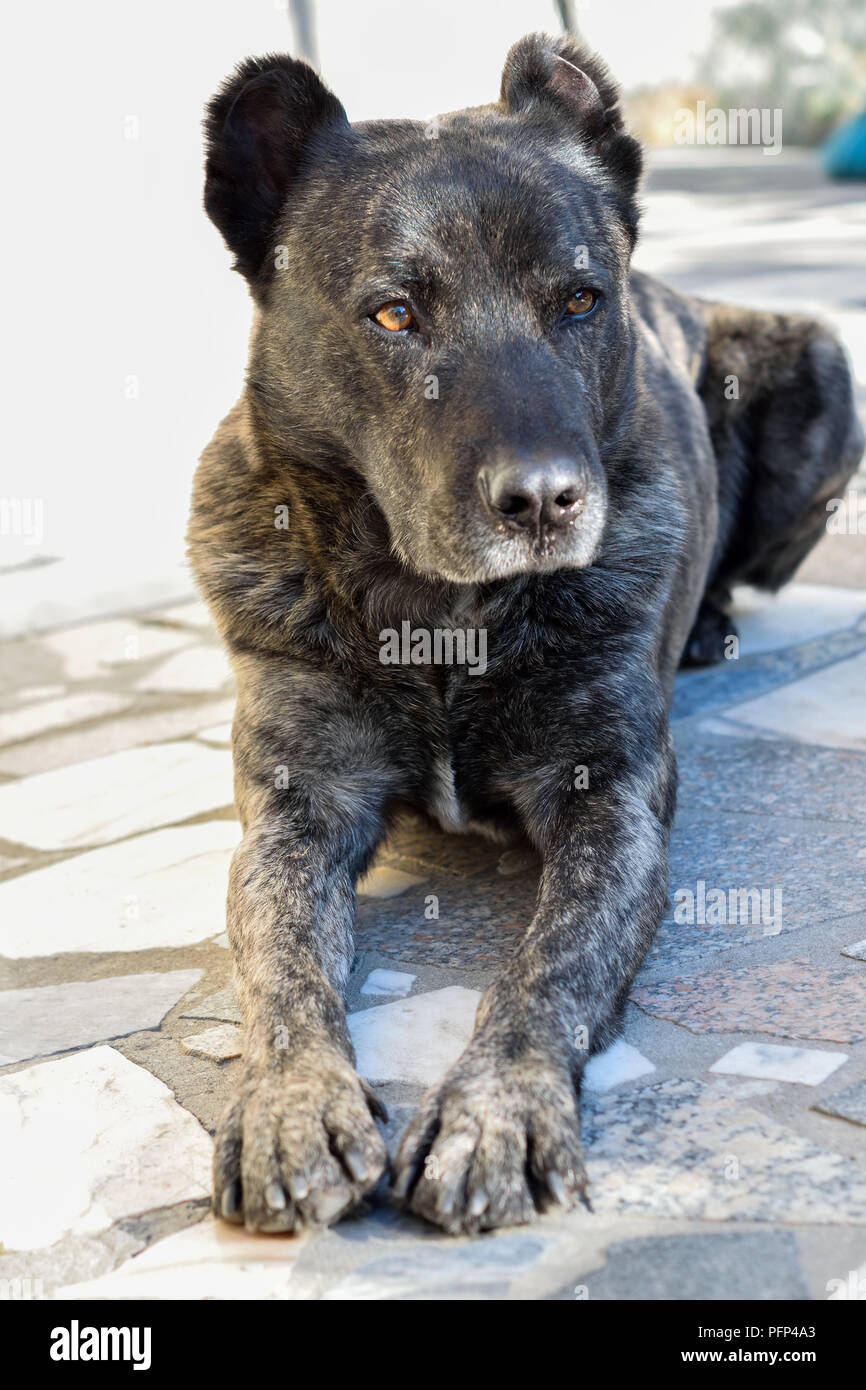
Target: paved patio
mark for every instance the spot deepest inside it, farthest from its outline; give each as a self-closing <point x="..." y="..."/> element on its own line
<point x="726" y="1132"/>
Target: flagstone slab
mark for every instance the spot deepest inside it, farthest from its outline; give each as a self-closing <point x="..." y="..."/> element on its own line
<point x="683" y="1149"/>
<point x="57" y="1018"/>
<point x="763" y="776"/>
<point x="768" y="1061"/>
<point x="397" y="983"/>
<point x="88" y="1140"/>
<point x="210" y="1260"/>
<point x="219" y="1044"/>
<point x="818" y="869"/>
<point x="453" y="920"/>
<point x="483" y="1269"/>
<point x="727" y="1267"/>
<point x="722" y="689"/>
<point x="790" y="998"/>
<point x="223" y="1005"/>
<point x="849" y="1104"/>
<point x="93" y="649"/>
<point x="109" y="736"/>
<point x="385" y="882"/>
<point x="109" y="798"/>
<point x="826" y="707"/>
<point x="798" y="613"/>
<point x="45" y="715"/>
<point x="194" y="670"/>
<point x="425" y="845"/>
<point x="857" y="950"/>
<point x="617" y="1064"/>
<point x="415" y="1039"/>
<point x="166" y="888"/>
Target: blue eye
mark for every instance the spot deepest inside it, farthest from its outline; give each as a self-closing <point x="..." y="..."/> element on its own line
<point x="581" y="304"/>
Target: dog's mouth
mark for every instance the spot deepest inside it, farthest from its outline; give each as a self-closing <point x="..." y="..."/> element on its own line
<point x="480" y="551"/>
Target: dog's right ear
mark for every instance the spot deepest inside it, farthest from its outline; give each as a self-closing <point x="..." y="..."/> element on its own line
<point x="258" y="128"/>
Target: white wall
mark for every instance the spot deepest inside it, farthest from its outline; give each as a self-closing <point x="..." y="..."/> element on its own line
<point x="117" y="283"/>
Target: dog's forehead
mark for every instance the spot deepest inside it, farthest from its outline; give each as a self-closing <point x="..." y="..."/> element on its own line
<point x="441" y="195"/>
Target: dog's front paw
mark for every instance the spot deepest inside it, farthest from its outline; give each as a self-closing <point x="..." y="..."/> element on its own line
<point x="298" y="1144"/>
<point x="492" y="1145"/>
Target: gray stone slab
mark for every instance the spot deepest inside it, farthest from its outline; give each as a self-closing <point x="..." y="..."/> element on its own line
<point x="729" y="683"/>
<point x="58" y="1018"/>
<point x="849" y="1104"/>
<point x="480" y="1269"/>
<point x="760" y="776"/>
<point x="818" y="869"/>
<point x="688" y="1150"/>
<point x="740" y="1265"/>
<point x="223" y="1004"/>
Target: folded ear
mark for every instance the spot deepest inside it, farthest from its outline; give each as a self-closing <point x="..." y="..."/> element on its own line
<point x="560" y="78"/>
<point x="258" y="129"/>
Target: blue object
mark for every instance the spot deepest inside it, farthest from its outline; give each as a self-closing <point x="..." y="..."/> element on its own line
<point x="844" y="155"/>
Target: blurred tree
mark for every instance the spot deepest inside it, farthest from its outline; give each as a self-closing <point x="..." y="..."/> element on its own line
<point x="807" y="57"/>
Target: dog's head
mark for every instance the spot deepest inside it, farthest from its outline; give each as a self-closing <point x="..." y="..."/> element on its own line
<point x="443" y="308"/>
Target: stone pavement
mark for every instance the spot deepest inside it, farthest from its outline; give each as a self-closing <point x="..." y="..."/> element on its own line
<point x="726" y="1132"/>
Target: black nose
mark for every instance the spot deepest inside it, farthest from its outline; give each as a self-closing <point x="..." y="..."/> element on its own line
<point x="533" y="495"/>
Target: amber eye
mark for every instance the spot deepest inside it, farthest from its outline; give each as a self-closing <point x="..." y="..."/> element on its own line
<point x="582" y="302"/>
<point x="395" y="317"/>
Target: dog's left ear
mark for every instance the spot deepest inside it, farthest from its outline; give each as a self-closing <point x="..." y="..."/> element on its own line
<point x="560" y="78"/>
<point x="259" y="130"/>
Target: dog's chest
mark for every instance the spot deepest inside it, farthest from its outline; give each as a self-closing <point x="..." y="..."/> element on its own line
<point x="455" y="684"/>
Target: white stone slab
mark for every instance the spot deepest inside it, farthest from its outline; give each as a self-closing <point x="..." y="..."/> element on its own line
<point x="108" y="736"/>
<point x="827" y="707"/>
<point x="167" y="888"/>
<point x="799" y="613"/>
<point x="219" y="1044"/>
<point x="94" y="648"/>
<point x="771" y="1062"/>
<point x="109" y="798"/>
<point x="90" y="1139"/>
<point x="393" y="982"/>
<point x="383" y="882"/>
<point x="48" y="715"/>
<point x="210" y="1260"/>
<point x="857" y="950"/>
<point x="57" y="1018"/>
<point x="619" y="1063"/>
<point x="193" y="671"/>
<point x="414" y="1039"/>
<point x="29" y="694"/>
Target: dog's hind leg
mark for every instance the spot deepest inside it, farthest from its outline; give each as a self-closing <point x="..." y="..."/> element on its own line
<point x="778" y="395"/>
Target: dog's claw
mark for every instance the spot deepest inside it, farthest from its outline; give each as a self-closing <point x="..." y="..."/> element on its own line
<point x="275" y="1197"/>
<point x="558" y="1189"/>
<point x="230" y="1202"/>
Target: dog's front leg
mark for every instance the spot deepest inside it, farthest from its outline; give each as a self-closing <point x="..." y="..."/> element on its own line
<point x="499" y="1138"/>
<point x="298" y="1142"/>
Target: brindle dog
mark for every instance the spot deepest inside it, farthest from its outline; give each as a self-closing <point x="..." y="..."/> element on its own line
<point x="465" y="411"/>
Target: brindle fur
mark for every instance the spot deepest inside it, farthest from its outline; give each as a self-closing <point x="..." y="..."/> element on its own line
<point x="686" y="492"/>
